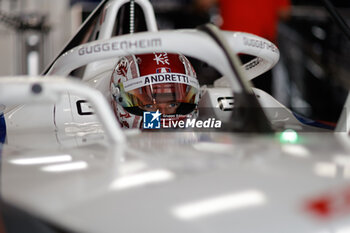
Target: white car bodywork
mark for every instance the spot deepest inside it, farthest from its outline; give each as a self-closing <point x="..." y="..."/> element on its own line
<point x="82" y="172"/>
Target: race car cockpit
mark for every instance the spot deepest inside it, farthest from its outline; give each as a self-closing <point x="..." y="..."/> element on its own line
<point x="147" y="73"/>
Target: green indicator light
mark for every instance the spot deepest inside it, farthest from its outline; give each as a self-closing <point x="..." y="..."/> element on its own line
<point x="289" y="136"/>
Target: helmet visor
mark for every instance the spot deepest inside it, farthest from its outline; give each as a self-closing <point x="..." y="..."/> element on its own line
<point x="168" y="92"/>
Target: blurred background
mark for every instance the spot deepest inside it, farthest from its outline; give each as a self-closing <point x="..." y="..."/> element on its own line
<point x="311" y="77"/>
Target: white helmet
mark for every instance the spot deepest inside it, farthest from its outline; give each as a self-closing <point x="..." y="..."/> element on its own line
<point x="154" y="82"/>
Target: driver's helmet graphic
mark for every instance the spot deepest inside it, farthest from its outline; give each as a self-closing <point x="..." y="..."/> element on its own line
<point x="157" y="82"/>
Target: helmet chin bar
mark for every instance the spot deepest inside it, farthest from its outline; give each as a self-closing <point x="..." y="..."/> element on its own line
<point x="247" y="116"/>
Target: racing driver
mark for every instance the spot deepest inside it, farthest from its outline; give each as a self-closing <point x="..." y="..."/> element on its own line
<point x="159" y="82"/>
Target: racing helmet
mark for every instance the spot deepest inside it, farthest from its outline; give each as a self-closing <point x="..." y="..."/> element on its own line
<point x="161" y="82"/>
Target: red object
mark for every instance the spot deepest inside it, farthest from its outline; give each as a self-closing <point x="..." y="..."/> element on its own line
<point x="150" y="63"/>
<point x="331" y="205"/>
<point x="167" y="92"/>
<point x="254" y="16"/>
<point x="321" y="207"/>
<point x="153" y="82"/>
